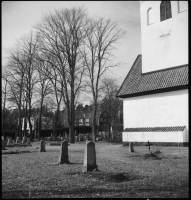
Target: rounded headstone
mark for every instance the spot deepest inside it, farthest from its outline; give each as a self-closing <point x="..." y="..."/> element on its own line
<point x="42" y="146"/>
<point x="24" y="139"/>
<point x="28" y="140"/>
<point x="3" y="145"/>
<point x="131" y="147"/>
<point x="64" y="158"/>
<point x="17" y="140"/>
<point x="9" y="141"/>
<point x="89" y="157"/>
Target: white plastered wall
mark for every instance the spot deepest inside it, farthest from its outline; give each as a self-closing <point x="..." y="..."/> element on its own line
<point x="157" y="110"/>
<point x="164" y="43"/>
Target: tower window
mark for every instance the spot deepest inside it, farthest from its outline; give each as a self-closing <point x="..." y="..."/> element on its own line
<point x="165" y="10"/>
<point x="150" y="17"/>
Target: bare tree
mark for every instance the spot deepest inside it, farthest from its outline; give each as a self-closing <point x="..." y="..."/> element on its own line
<point x="44" y="88"/>
<point x="29" y="46"/>
<point x="110" y="102"/>
<point x="16" y="69"/>
<point x="63" y="33"/>
<point x="102" y="35"/>
<point x="5" y="75"/>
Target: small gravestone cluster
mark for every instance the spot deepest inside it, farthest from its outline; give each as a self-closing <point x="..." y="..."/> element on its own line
<point x="89" y="155"/>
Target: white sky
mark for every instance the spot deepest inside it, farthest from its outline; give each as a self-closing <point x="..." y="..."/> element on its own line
<point x="18" y="17"/>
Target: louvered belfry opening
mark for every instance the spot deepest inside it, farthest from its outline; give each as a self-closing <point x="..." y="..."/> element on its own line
<point x="165" y="10"/>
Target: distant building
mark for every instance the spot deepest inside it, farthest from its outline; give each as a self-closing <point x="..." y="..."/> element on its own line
<point x="84" y="119"/>
<point x="155" y="91"/>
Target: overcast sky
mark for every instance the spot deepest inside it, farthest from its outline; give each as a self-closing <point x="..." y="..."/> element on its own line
<point x="18" y="17"/>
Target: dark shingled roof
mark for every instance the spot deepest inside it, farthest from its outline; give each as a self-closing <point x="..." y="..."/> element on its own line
<point x="155" y="129"/>
<point x="138" y="83"/>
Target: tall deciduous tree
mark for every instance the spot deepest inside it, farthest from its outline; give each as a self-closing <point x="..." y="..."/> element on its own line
<point x="44" y="87"/>
<point x="101" y="35"/>
<point x="63" y="33"/>
<point x="110" y="102"/>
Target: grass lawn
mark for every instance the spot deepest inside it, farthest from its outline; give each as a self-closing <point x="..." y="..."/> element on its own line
<point x="28" y="173"/>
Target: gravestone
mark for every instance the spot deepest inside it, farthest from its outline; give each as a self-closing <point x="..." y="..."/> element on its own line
<point x="42" y="146"/>
<point x="64" y="158"/>
<point x="24" y="139"/>
<point x="3" y="145"/>
<point x="9" y="141"/>
<point x="131" y="147"/>
<point x="28" y="140"/>
<point x="148" y="144"/>
<point x="2" y="137"/>
<point x="89" y="157"/>
<point x="76" y="138"/>
<point x="17" y="140"/>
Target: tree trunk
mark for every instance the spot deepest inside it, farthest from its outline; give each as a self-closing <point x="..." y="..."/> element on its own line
<point x="55" y="123"/>
<point x="94" y="123"/>
<point x="25" y="121"/>
<point x="40" y="121"/>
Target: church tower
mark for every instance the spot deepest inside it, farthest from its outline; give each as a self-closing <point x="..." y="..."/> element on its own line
<point x="164" y="34"/>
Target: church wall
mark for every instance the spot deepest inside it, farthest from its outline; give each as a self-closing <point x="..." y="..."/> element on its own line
<point x="157" y="110"/>
<point x="164" y="43"/>
<point x="154" y="136"/>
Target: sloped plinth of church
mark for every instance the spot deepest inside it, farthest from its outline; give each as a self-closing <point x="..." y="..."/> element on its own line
<point x="156" y="135"/>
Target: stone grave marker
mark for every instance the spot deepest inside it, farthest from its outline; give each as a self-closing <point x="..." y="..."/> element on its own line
<point x="131" y="147"/>
<point x="9" y="141"/>
<point x="42" y="146"/>
<point x="89" y="157"/>
<point x="3" y="145"/>
<point x="2" y="137"/>
<point x="64" y="158"/>
<point x="17" y="140"/>
<point x="28" y="140"/>
<point x="24" y="139"/>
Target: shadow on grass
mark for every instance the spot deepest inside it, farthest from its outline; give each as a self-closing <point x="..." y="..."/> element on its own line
<point x="15" y="152"/>
<point x="92" y="191"/>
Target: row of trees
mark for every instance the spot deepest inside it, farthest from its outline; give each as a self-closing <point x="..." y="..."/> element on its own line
<point x="67" y="52"/>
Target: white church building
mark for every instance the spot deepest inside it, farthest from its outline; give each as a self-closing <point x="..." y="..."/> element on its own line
<point x="155" y="91"/>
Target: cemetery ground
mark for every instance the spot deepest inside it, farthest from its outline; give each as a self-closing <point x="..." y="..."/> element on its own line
<point x="28" y="173"/>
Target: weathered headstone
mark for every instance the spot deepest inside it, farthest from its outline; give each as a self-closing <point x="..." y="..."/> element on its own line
<point x="17" y="140"/>
<point x="24" y="139"/>
<point x="42" y="146"/>
<point x="3" y="145"/>
<point x="28" y="140"/>
<point x="2" y="137"/>
<point x="89" y="157"/>
<point x="9" y="141"/>
<point x="64" y="158"/>
<point x="131" y="147"/>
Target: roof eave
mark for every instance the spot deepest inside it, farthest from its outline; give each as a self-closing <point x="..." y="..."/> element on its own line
<point x="169" y="89"/>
